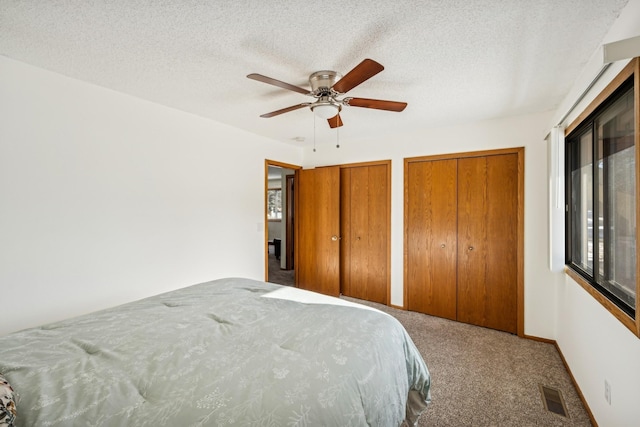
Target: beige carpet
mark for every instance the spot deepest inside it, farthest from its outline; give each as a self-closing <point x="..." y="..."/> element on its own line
<point x="482" y="377"/>
<point x="277" y="274"/>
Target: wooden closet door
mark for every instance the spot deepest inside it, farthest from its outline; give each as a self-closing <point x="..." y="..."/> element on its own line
<point x="430" y="237"/>
<point x="318" y="230"/>
<point x="365" y="224"/>
<point x="487" y="241"/>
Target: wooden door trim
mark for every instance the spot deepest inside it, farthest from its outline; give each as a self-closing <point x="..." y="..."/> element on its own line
<point x="290" y="209"/>
<point x="267" y="163"/>
<point x="520" y="239"/>
<point x="520" y="220"/>
<point x="465" y="154"/>
<point x="364" y="164"/>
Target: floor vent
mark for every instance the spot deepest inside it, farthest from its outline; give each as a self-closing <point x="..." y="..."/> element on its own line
<point x="553" y="400"/>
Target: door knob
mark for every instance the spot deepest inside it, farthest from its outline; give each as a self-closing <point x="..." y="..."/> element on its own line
<point x="442" y="246"/>
<point x="470" y="248"/>
<point x="334" y="237"/>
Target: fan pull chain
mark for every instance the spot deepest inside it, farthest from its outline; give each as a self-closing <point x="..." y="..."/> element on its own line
<point x="338" y="137"/>
<point x="314" y="133"/>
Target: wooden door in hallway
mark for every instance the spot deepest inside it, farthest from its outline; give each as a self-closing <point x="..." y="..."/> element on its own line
<point x="317" y="237"/>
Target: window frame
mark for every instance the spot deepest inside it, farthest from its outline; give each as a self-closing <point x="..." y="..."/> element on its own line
<point x="584" y="121"/>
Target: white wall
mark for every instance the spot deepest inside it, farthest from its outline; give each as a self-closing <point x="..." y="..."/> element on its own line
<point x="522" y="131"/>
<point x="596" y="346"/>
<point x="105" y="198"/>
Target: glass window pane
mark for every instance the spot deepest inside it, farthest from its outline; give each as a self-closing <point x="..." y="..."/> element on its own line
<point x="582" y="203"/>
<point x="617" y="201"/>
<point x="274" y="203"/>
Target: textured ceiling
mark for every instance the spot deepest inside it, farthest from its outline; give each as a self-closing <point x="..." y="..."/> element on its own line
<point x="452" y="61"/>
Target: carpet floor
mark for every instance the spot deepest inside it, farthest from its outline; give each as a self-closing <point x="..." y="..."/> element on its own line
<point x="483" y="377"/>
<point x="278" y="275"/>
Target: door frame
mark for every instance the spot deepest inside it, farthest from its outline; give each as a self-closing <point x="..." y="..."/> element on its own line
<point x="520" y="219"/>
<point x="267" y="163"/>
<point x="290" y="222"/>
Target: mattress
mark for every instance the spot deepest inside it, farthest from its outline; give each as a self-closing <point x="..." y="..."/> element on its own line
<point x="227" y="352"/>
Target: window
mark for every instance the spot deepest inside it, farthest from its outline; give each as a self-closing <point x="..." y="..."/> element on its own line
<point x="601" y="198"/>
<point x="274" y="204"/>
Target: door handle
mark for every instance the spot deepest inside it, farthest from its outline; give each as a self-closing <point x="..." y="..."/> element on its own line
<point x="334" y="238"/>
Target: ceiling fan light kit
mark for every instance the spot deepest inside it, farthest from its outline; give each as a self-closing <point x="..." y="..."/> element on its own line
<point x="325" y="111"/>
<point x="327" y="86"/>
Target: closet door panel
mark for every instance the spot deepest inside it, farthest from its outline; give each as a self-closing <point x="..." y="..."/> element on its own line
<point x="345" y="232"/>
<point x="317" y="230"/>
<point x="487" y="230"/>
<point x="358" y="261"/>
<point x="430" y="237"/>
<point x="472" y="240"/>
<point x="502" y="223"/>
<point x="365" y="221"/>
<point x="378" y="239"/>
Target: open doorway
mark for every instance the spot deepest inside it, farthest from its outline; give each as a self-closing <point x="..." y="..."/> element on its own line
<point x="279" y="217"/>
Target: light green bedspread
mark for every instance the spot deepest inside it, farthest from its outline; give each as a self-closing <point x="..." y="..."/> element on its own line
<point x="217" y="354"/>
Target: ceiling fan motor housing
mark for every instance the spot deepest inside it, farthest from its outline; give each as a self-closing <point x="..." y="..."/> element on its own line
<point x="322" y="81"/>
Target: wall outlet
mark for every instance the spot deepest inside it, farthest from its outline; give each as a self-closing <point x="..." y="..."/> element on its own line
<point x="607" y="391"/>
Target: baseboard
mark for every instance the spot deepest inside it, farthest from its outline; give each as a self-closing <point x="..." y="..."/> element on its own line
<point x="399" y="307"/>
<point x="573" y="380"/>
<point x="545" y="340"/>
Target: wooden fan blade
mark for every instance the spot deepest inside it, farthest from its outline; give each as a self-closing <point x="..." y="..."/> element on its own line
<point x="378" y="104"/>
<point x="362" y="72"/>
<point x="335" y="121"/>
<point x="269" y="80"/>
<point x="285" y="110"/>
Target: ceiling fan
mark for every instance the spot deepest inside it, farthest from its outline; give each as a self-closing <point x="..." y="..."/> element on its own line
<point x="328" y="86"/>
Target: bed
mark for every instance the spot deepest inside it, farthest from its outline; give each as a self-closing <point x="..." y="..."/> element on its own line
<point x="227" y="352"/>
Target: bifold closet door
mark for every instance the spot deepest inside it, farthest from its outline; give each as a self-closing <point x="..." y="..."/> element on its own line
<point x="318" y="230"/>
<point x="365" y="222"/>
<point x="487" y="241"/>
<point x="430" y="237"/>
